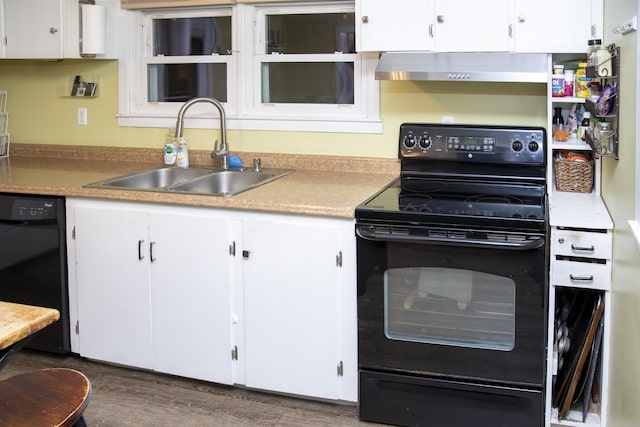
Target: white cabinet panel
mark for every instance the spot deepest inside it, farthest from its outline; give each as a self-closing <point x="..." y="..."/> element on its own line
<point x="191" y="296"/>
<point x="33" y="28"/>
<point x="153" y="288"/>
<point x="581" y="243"/>
<point x="526" y="26"/>
<point x="291" y="308"/>
<point x="113" y="285"/>
<point x="472" y="26"/>
<point x="551" y="26"/>
<point x="384" y="26"/>
<point x="581" y="275"/>
<point x="176" y="289"/>
<point x="50" y="29"/>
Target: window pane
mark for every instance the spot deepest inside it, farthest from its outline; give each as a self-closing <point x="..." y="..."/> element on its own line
<point x="450" y="306"/>
<point x="192" y="36"/>
<point x="311" y="33"/>
<point x="307" y="82"/>
<point x="181" y="82"/>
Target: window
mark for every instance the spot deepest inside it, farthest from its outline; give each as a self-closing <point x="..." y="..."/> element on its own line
<point x="188" y="37"/>
<point x="284" y="67"/>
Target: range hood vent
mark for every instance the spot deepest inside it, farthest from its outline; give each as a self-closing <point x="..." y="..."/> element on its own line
<point x="472" y="67"/>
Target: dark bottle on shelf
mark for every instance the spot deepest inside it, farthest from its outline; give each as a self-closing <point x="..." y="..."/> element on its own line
<point x="557" y="116"/>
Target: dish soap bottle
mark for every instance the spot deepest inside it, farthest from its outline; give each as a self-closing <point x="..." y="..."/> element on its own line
<point x="182" y="158"/>
<point x="170" y="150"/>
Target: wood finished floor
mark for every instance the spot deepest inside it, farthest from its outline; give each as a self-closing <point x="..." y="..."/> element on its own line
<point x="128" y="397"/>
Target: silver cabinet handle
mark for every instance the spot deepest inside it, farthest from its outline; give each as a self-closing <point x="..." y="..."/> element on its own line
<point x="581" y="278"/>
<point x="245" y="254"/>
<point x="583" y="248"/>
<point x="140" y="255"/>
<point x="440" y="19"/>
<point x="53" y="30"/>
<point x="365" y="19"/>
<point x="151" y="246"/>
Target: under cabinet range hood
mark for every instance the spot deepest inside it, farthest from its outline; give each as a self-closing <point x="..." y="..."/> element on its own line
<point x="472" y="67"/>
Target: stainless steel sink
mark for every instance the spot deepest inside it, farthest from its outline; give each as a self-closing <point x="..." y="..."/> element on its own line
<point x="229" y="182"/>
<point x="153" y="178"/>
<point x="208" y="181"/>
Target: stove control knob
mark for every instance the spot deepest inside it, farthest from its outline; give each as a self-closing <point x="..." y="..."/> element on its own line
<point x="409" y="141"/>
<point x="533" y="146"/>
<point x="425" y="142"/>
<point x="517" y="146"/>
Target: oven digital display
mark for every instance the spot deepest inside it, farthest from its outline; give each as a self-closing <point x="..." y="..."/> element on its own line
<point x="471" y="144"/>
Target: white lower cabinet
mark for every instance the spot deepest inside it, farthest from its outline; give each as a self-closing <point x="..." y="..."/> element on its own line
<point x="263" y="300"/>
<point x="152" y="288"/>
<point x="299" y="338"/>
<point x="579" y="333"/>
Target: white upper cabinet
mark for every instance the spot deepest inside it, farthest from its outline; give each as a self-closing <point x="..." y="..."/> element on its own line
<point x="33" y="28"/>
<point x="382" y="26"/>
<point x="53" y="29"/>
<point x="472" y="26"/>
<point x="552" y="26"/>
<point x="523" y="26"/>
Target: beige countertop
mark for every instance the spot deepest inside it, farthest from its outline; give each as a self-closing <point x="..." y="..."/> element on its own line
<point x="321" y="185"/>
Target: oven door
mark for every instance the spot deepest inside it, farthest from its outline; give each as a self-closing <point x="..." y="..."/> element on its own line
<point x="468" y="305"/>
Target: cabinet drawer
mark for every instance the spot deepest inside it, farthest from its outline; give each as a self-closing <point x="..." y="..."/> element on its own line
<point x="581" y="274"/>
<point x="581" y="244"/>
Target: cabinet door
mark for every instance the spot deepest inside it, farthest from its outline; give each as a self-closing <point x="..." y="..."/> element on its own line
<point x="291" y="308"/>
<point x="388" y="26"/>
<point x="190" y="295"/>
<point x="550" y="26"/>
<point x="112" y="272"/>
<point x="472" y="26"/>
<point x="33" y="28"/>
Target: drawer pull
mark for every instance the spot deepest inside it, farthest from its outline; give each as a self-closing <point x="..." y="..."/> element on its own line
<point x="583" y="248"/>
<point x="581" y="278"/>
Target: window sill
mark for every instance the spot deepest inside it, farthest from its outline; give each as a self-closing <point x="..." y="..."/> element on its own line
<point x="635" y="229"/>
<point x="338" y="125"/>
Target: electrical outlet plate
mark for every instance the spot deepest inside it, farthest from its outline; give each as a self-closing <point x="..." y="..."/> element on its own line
<point x="627" y="27"/>
<point x="82" y="116"/>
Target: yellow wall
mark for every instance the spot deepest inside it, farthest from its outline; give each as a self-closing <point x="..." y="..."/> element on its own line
<point x="41" y="113"/>
<point x="618" y="189"/>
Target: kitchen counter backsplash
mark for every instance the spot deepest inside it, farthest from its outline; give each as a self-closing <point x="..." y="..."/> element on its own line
<point x="202" y="158"/>
<point x="321" y="185"/>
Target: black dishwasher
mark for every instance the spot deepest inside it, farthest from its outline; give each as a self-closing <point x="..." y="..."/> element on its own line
<point x="33" y="267"/>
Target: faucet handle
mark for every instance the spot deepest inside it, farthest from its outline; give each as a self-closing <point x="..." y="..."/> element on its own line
<point x="256" y="164"/>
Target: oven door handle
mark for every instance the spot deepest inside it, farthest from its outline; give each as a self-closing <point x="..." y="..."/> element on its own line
<point x="366" y="233"/>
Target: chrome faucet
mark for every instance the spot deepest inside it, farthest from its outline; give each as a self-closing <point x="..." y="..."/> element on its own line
<point x="223" y="152"/>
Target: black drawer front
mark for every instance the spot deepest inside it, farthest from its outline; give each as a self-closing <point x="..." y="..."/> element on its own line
<point x="416" y="401"/>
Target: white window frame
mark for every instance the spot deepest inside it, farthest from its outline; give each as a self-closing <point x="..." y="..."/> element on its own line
<point x="634" y="224"/>
<point x="242" y="111"/>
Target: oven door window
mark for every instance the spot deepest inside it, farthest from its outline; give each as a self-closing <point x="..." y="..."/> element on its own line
<point x="450" y="306"/>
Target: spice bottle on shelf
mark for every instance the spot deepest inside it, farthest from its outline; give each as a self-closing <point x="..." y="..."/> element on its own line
<point x="582" y="81"/>
<point x="584" y="126"/>
<point x="557" y="81"/>
<point x="569" y="78"/>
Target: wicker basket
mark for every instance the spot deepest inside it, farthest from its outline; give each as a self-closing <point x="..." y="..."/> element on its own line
<point x="573" y="176"/>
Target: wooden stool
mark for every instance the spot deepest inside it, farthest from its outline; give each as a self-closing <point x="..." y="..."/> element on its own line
<point x="46" y="397"/>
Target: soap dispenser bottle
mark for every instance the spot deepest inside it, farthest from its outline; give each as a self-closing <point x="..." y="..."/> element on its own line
<point x="170" y="150"/>
<point x="182" y="160"/>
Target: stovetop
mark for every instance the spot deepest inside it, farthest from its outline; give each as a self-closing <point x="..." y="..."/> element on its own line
<point x="465" y="176"/>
